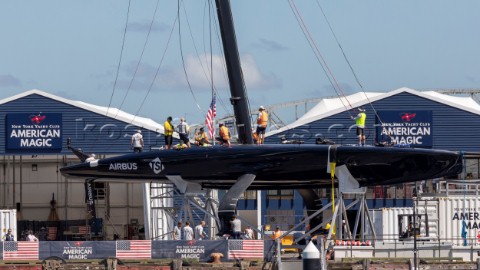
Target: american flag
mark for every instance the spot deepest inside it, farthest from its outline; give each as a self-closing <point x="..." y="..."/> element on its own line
<point x="134" y="249"/>
<point x="209" y="121"/>
<point x="238" y="249"/>
<point x="20" y="251"/>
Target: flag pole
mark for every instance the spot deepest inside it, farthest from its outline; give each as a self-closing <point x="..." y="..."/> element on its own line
<point x="213" y="137"/>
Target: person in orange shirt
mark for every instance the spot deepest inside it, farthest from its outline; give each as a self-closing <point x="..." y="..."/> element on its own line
<point x="262" y="122"/>
<point x="277" y="233"/>
<point x="224" y="135"/>
<point x="255" y="136"/>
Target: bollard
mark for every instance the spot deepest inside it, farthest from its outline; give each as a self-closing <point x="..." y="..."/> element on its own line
<point x="311" y="258"/>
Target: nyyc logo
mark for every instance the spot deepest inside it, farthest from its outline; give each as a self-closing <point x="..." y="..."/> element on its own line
<point x="37" y="119"/>
<point x="407" y="117"/>
<point x="78" y="244"/>
<point x="156" y="165"/>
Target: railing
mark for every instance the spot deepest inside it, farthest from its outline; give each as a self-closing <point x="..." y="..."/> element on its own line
<point x="387" y="246"/>
<point x="460" y="187"/>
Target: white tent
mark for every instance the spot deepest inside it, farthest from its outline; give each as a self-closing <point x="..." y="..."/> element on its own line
<point x="332" y="106"/>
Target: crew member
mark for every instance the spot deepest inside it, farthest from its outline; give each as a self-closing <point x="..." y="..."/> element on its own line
<point x="255" y="136"/>
<point x="168" y="132"/>
<point x="137" y="142"/>
<point x="224" y="135"/>
<point x="277" y="233"/>
<point x="31" y="237"/>
<point x="248" y="233"/>
<point x="301" y="240"/>
<point x="183" y="130"/>
<point x="201" y="138"/>
<point x="91" y="158"/>
<point x="262" y="121"/>
<point x="236" y="226"/>
<point x="199" y="233"/>
<point x="187" y="232"/>
<point x="177" y="231"/>
<point x="9" y="236"/>
<point x="360" y="123"/>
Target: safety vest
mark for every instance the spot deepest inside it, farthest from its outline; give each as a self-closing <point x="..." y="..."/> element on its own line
<point x="361" y="120"/>
<point x="168" y="128"/>
<point x="224" y="133"/>
<point x="276" y="234"/>
<point x="263" y="119"/>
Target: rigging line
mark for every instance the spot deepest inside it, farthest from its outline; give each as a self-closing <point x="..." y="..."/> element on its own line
<point x="183" y="59"/>
<point x="317" y="57"/>
<point x="312" y="41"/>
<point x="219" y="98"/>
<point x="195" y="45"/>
<point x="157" y="71"/>
<point x="139" y="60"/>
<point x="226" y="79"/>
<point x="348" y="62"/>
<point x="121" y="56"/>
<point x="220" y="46"/>
<point x="198" y="54"/>
<point x="339" y="45"/>
<point x="320" y="54"/>
<point x="210" y="43"/>
<point x="213" y="108"/>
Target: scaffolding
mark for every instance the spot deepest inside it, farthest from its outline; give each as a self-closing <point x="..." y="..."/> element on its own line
<point x="165" y="205"/>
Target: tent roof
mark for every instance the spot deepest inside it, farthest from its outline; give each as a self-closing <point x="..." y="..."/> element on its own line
<point x="331" y="106"/>
<point x="114" y="113"/>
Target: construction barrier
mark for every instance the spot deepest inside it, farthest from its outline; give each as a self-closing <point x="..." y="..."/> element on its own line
<point x="137" y="249"/>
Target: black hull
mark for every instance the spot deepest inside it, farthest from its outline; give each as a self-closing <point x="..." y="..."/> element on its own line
<point x="275" y="166"/>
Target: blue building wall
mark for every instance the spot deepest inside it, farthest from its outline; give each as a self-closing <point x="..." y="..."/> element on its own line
<point x="90" y="131"/>
<point x="452" y="128"/>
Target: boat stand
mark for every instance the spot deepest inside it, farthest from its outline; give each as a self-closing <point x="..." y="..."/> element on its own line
<point x="348" y="185"/>
<point x="196" y="204"/>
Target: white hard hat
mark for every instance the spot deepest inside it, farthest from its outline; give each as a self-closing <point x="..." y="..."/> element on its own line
<point x="261" y="108"/>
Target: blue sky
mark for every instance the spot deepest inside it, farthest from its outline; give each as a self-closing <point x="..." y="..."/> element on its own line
<point x="72" y="49"/>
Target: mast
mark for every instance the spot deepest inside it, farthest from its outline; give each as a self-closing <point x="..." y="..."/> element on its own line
<point x="238" y="92"/>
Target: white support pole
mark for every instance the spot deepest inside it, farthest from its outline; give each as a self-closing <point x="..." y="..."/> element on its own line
<point x="147" y="218"/>
<point x="259" y="213"/>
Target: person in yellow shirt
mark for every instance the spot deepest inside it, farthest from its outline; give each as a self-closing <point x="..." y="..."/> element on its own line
<point x="360" y="123"/>
<point x="201" y="138"/>
<point x="168" y="132"/>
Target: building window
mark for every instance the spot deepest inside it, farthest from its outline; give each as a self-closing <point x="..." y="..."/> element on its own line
<point x="249" y="195"/>
<point x="282" y="194"/>
<point x="99" y="190"/>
